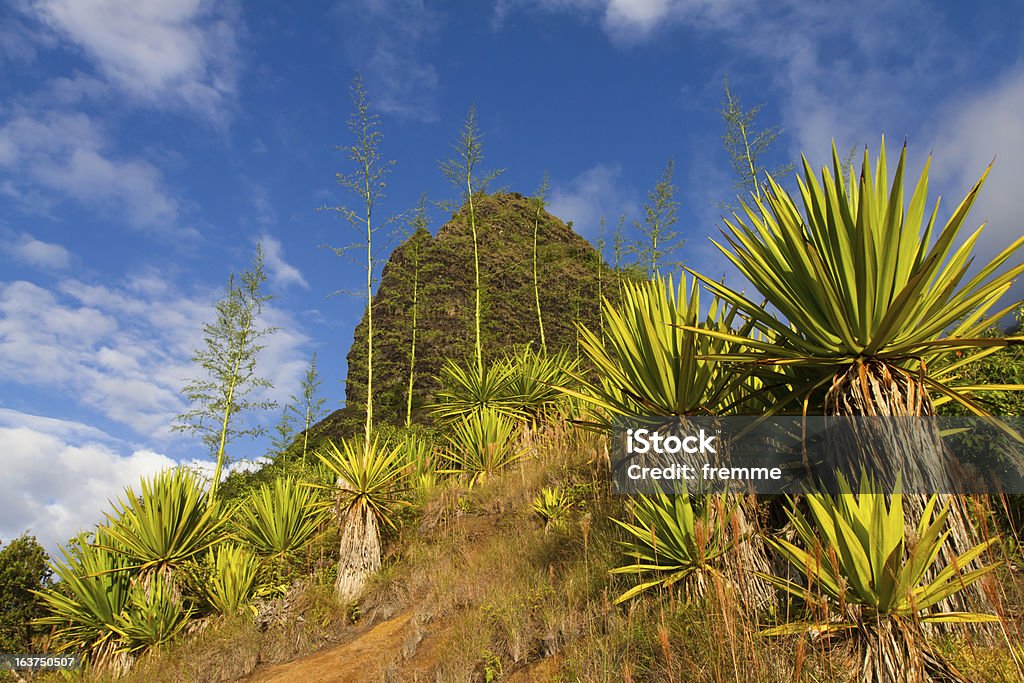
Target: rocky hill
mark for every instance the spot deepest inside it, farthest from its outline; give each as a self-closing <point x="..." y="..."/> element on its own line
<point x="568" y="267"/>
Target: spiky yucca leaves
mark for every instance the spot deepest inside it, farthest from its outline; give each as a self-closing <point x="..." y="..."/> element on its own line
<point x="420" y="462"/>
<point x="482" y="444"/>
<point x="368" y="490"/>
<point x="155" y="613"/>
<point x="170" y="523"/>
<point x="877" y="585"/>
<point x="233" y="579"/>
<point x="470" y="388"/>
<point x="677" y="543"/>
<point x="94" y="592"/>
<point x="279" y="519"/>
<point x="652" y="363"/>
<point x="535" y="379"/>
<point x="553" y="506"/>
<point x="865" y="288"/>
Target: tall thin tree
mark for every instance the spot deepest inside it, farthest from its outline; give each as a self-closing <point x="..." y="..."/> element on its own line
<point x="463" y="171"/>
<point x="619" y="249"/>
<point x="746" y="145"/>
<point x="231" y="345"/>
<point x="538" y="200"/>
<point x="367" y="182"/>
<point x="309" y="402"/>
<point x="418" y="223"/>
<point x="660" y="214"/>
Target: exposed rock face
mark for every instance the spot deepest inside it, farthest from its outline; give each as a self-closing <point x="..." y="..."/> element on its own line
<point x="568" y="273"/>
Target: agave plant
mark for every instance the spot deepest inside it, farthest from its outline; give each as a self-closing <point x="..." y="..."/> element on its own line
<point x="653" y="363"/>
<point x="93" y="593"/>
<point x="877" y="585"/>
<point x="370" y="481"/>
<point x="871" y="299"/>
<point x="471" y="388"/>
<point x="419" y="462"/>
<point x="172" y="522"/>
<point x="535" y="379"/>
<point x="233" y="580"/>
<point x="552" y="505"/>
<point x="483" y="444"/>
<point x="155" y="613"/>
<point x="279" y="519"/>
<point x="676" y="542"/>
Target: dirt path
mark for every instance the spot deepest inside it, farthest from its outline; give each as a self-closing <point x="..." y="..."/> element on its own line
<point x="362" y="659"/>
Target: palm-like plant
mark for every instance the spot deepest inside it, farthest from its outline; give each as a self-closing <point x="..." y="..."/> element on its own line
<point x="154" y="614"/>
<point x="535" y="379"/>
<point x="170" y="523"/>
<point x="856" y="558"/>
<point x="870" y="298"/>
<point x="94" y="592"/>
<point x="470" y="388"/>
<point x="369" y="481"/>
<point x="482" y="444"/>
<point x="233" y="580"/>
<point x="652" y="362"/>
<point x="552" y="505"/>
<point x="280" y="518"/>
<point x="676" y="542"/>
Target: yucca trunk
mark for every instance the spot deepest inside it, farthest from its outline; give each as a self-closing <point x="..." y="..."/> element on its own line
<point x="359" y="552"/>
<point x="894" y="650"/>
<point x="874" y="388"/>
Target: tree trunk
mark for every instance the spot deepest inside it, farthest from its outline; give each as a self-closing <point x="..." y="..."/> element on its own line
<point x="359" y="553"/>
<point x="873" y="388"/>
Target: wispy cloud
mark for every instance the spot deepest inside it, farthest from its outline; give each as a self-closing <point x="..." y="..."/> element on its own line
<point x="390" y="37"/>
<point x="28" y="250"/>
<point x="124" y="351"/>
<point x="282" y="273"/>
<point x="596" y="192"/>
<point x="69" y="154"/>
<point x="172" y="53"/>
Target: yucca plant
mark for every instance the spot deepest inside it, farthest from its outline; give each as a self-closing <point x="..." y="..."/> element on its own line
<point x="675" y="542"/>
<point x="233" y="580"/>
<point x="535" y="380"/>
<point x="652" y="363"/>
<point x="369" y="484"/>
<point x="170" y="523"/>
<point x="482" y="444"/>
<point x="873" y="295"/>
<point x="875" y="585"/>
<point x="280" y="518"/>
<point x="93" y="593"/>
<point x="471" y="388"/>
<point x="155" y="613"/>
<point x="419" y="462"/>
<point x="553" y="506"/>
<point x="872" y="292"/>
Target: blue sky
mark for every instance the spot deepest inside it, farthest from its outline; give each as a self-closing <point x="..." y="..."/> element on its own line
<point x="146" y="146"/>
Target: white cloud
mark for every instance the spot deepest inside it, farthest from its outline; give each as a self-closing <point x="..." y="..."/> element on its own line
<point x="58" y="480"/>
<point x="596" y="192"/>
<point x="632" y="21"/>
<point x="68" y="153"/>
<point x="29" y="250"/>
<point x="282" y="273"/>
<point x="161" y="52"/>
<point x="984" y="126"/>
<point x="124" y="352"/>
